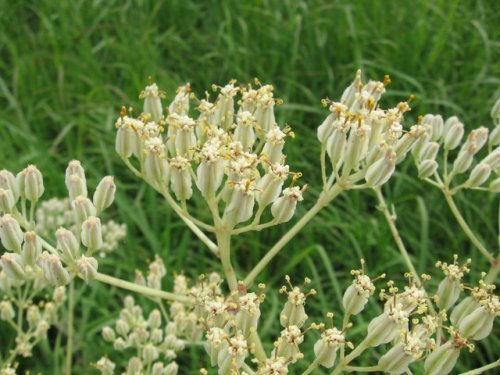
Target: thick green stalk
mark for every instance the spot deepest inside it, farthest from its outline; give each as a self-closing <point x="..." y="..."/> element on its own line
<point x="144" y="290"/>
<point x="224" y="245"/>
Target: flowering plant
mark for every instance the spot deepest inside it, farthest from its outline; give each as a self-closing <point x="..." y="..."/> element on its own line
<point x="224" y="172"/>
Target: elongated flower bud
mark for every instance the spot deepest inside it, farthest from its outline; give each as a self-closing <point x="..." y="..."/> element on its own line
<point x="357" y="146"/>
<point x="327" y="126"/>
<point x="152" y="102"/>
<point x="284" y="207"/>
<point x="379" y="172"/>
<point x="125" y="142"/>
<point x="7" y="201"/>
<point x="215" y="343"/>
<point x="7" y="312"/>
<point x="11" y="234"/>
<point x="92" y="233"/>
<point x="495" y="112"/>
<point x="185" y="138"/>
<point x="478" y="137"/>
<point x="75" y="168"/>
<point x="493" y="159"/>
<point x="30" y="182"/>
<point x="287" y="346"/>
<point x="134" y="366"/>
<point x="53" y="270"/>
<point x="294" y="312"/>
<point x="104" y="194"/>
<point x="224" y="106"/>
<point x="68" y="244"/>
<point x="12" y="265"/>
<point x="171" y="369"/>
<point x="494" y="138"/>
<point x="463" y="161"/>
<point x="454" y="134"/>
<point x="350" y="92"/>
<point x="479" y="175"/>
<point x="427" y="168"/>
<point x="336" y="145"/>
<point x="495" y="185"/>
<point x="83" y="208"/>
<point x="430" y="151"/>
<point x="32" y="248"/>
<point x="156" y="168"/>
<point x="87" y="268"/>
<point x="180" y="179"/>
<point x="8" y="182"/>
<point x="231" y="358"/>
<point x="386" y="327"/>
<point x="76" y="187"/>
<point x="442" y="360"/>
<point x="108" y="334"/>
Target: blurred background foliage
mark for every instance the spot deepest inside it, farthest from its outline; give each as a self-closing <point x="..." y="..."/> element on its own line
<point x="66" y="67"/>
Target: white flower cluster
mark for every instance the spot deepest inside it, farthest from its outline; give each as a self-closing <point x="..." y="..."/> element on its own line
<point x="20" y="234"/>
<point x="362" y="140"/>
<point x="232" y="152"/>
<point x="32" y="321"/>
<point x="155" y="346"/>
<point x="58" y="212"/>
<point x="472" y="170"/>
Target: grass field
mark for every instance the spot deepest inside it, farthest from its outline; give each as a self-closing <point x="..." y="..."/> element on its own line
<point x="66" y="67"/>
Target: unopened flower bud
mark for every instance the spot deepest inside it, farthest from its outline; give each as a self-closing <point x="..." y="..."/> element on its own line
<point x="12" y="265"/>
<point x="104" y="194"/>
<point x="335" y="145"/>
<point x="396" y="360"/>
<point x="478" y="137"/>
<point x="158" y="369"/>
<point x="76" y="187"/>
<point x="92" y="233"/>
<point x="122" y="327"/>
<point x="30" y="182"/>
<point x="7" y="312"/>
<point x="33" y="316"/>
<point x="241" y="204"/>
<point x="154" y="319"/>
<point x="231" y="357"/>
<point x="427" y="168"/>
<point x="442" y="360"/>
<point x="150" y="353"/>
<point x="53" y="270"/>
<point x="357" y="147"/>
<point x="386" y="327"/>
<point x="32" y="248"/>
<point x="326" y="347"/>
<point x="171" y="369"/>
<point x="479" y="175"/>
<point x="463" y="161"/>
<point x="8" y="182"/>
<point x="494" y="139"/>
<point x="284" y="207"/>
<point x="87" y="268"/>
<point x="68" y="244"/>
<point x="209" y="176"/>
<point x="495" y="185"/>
<point x="380" y="171"/>
<point x="7" y="201"/>
<point x="430" y="151"/>
<point x="152" y="102"/>
<point x="493" y="159"/>
<point x="269" y="186"/>
<point x="134" y="366"/>
<point x="108" y="334"/>
<point x="120" y="344"/>
<point x="156" y="168"/>
<point x="84" y="208"/>
<point x="11" y="234"/>
<point x="244" y="132"/>
<point x="156" y="336"/>
<point x="125" y="141"/>
<point x="454" y="133"/>
<point x="495" y="112"/>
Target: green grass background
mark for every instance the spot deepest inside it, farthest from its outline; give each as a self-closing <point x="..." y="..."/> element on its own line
<point x="66" y="67"/>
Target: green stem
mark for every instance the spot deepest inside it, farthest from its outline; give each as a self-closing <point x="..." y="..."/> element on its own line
<point x="224" y="246"/>
<point x="247" y="369"/>
<point x="71" y="315"/>
<point x="354" y="354"/>
<point x="399" y="242"/>
<point x="323" y="200"/>
<point x="260" y="353"/>
<point x="465" y="227"/>
<point x="313" y="366"/>
<point x="144" y="290"/>
<point x="480" y="370"/>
